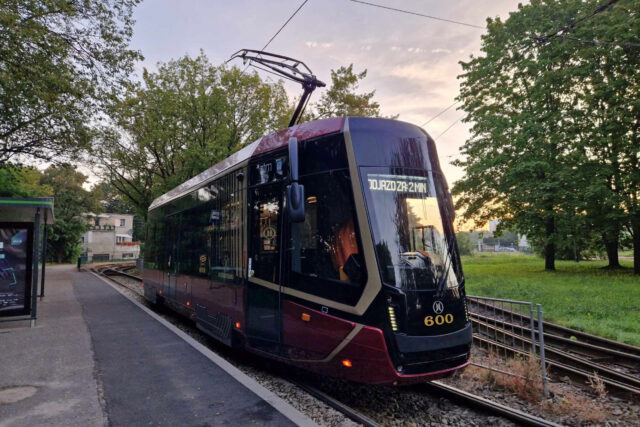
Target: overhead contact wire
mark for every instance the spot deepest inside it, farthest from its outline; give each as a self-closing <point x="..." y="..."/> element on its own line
<point x="408" y="12"/>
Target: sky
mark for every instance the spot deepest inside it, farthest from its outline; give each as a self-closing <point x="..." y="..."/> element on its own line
<point x="412" y="61"/>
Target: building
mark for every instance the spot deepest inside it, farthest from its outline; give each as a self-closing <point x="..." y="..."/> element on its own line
<point x="110" y="236"/>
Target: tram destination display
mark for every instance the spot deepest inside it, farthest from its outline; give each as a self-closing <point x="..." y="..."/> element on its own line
<point x="15" y="268"/>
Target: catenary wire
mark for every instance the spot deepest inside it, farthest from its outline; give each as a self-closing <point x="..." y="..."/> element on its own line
<point x="284" y="25"/>
<point x="438" y="115"/>
<point x="571" y="25"/>
<point x="280" y="30"/>
<point x="418" y="14"/>
<point x="447" y="129"/>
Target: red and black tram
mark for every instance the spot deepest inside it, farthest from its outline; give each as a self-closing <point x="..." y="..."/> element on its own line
<point x="328" y="245"/>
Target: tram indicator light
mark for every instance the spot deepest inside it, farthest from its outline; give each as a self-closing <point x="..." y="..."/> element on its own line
<point x="347" y="363"/>
<point x="237" y="325"/>
<point x="306" y="317"/>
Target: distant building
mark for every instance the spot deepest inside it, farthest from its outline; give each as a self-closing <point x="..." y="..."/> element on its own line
<point x="109" y="237"/>
<point x="493" y="225"/>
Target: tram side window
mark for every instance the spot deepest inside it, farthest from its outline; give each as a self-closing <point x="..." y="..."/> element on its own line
<point x="154" y="242"/>
<point x="326" y="244"/>
<point x="150" y="248"/>
<point x="225" y="230"/>
<point x="194" y="249"/>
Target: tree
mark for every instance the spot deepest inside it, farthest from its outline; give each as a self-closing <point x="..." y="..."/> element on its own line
<point x="609" y="89"/>
<point x="71" y="201"/>
<point x="341" y="98"/>
<point x="20" y="181"/>
<point x="110" y="200"/>
<point x="181" y="120"/>
<point x="60" y="62"/>
<point x="464" y="243"/>
<point x="553" y="151"/>
<point x="517" y="160"/>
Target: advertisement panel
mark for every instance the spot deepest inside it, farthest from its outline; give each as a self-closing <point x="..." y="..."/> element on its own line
<point x="16" y="251"/>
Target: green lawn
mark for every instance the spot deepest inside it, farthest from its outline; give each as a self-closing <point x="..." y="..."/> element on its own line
<point x="578" y="295"/>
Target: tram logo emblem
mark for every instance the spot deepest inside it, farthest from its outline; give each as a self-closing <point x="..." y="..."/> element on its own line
<point x="438" y="307"/>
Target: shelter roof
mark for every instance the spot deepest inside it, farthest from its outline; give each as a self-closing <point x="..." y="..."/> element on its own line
<point x="24" y="210"/>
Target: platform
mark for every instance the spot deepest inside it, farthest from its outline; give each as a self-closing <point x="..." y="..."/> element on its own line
<point x="97" y="358"/>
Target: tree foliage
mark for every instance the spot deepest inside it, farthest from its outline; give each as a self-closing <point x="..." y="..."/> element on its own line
<point x="71" y="201"/>
<point x="464" y="243"/>
<point x="60" y="61"/>
<point x="342" y="97"/>
<point x="22" y="182"/>
<point x="553" y="150"/>
<point x="181" y="120"/>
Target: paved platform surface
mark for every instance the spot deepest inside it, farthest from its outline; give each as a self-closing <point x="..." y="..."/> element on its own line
<point x="95" y="358"/>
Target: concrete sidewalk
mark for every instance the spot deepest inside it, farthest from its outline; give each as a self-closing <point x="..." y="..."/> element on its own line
<point x="96" y="358"/>
<point x="47" y="373"/>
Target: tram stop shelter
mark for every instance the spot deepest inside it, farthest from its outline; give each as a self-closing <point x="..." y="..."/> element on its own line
<point x="21" y="249"/>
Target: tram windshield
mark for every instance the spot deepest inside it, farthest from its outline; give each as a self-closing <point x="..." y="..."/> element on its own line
<point x="406" y="200"/>
<point x="411" y="244"/>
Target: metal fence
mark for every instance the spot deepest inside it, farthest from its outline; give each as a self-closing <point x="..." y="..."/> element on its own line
<point x="509" y="327"/>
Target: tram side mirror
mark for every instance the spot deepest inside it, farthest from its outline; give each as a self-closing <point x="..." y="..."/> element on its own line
<point x="353" y="268"/>
<point x="295" y="191"/>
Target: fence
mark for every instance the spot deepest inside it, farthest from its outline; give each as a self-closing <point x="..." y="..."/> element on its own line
<point x="509" y="327"/>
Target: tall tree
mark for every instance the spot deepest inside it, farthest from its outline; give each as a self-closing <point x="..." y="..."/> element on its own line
<point x="342" y="97"/>
<point x="60" y="61"/>
<point x="181" y="120"/>
<point x="517" y="161"/>
<point x="553" y="149"/>
<point x="71" y="201"/>
<point x="609" y="88"/>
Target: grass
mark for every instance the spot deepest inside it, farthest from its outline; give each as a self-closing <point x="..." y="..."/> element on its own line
<point x="581" y="295"/>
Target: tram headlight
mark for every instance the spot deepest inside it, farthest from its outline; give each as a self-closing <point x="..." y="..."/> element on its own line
<point x="392" y="318"/>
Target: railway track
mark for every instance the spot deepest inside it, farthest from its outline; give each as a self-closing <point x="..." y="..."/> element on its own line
<point x="580" y="360"/>
<point x="567" y="336"/>
<point x="455" y="394"/>
<point x="436" y="388"/>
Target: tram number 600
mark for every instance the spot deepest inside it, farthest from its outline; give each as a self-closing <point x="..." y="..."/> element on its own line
<point x="438" y="320"/>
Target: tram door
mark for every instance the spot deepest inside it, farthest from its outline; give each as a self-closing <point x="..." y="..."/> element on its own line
<point x="263" y="321"/>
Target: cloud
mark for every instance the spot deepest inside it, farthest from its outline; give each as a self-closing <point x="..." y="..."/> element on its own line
<point x="313" y="44"/>
<point x="440" y="50"/>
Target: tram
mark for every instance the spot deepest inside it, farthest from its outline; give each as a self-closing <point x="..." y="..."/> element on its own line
<point x="328" y="245"/>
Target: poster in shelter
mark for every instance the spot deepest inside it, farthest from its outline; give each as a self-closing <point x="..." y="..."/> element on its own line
<point x="15" y="268"/>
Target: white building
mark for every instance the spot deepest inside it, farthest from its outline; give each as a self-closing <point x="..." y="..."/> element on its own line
<point x="109" y="237"/>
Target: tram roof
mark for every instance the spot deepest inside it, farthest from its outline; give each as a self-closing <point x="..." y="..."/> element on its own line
<point x="262" y="145"/>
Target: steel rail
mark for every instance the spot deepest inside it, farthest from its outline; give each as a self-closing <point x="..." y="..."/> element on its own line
<point x="585" y="349"/>
<point x="565" y="332"/>
<point x="335" y="404"/>
<point x="112" y="272"/>
<point x="563" y="367"/>
<point x="471" y="399"/>
<point x="564" y="357"/>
